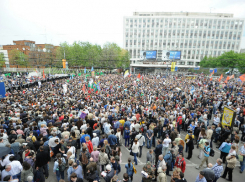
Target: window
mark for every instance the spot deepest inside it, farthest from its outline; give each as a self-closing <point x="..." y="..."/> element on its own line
<point x="190" y="63"/>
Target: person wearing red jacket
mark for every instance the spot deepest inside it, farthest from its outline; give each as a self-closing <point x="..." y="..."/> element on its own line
<point x="180" y="163"/>
<point x="89" y="144"/>
<point x="179" y="122"/>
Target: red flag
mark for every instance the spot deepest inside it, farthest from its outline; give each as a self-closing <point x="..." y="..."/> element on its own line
<point x="213" y="72"/>
<point x="129" y="75"/>
<point x="242" y="77"/>
<point x="84" y="88"/>
<point x="89" y="91"/>
<point x="43" y="74"/>
<point x="211" y="78"/>
<point x="227" y="78"/>
<point x="138" y="75"/>
<point x="142" y="77"/>
<point x="108" y="95"/>
<point x="96" y="92"/>
<point x="220" y="78"/>
<point x="232" y="76"/>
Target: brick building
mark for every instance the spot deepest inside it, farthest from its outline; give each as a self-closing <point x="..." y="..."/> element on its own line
<point x="39" y="55"/>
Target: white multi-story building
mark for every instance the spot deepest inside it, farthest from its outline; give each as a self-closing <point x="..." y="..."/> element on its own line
<point x="194" y="34"/>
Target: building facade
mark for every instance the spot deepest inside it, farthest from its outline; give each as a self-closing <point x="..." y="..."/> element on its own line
<point x="39" y="55"/>
<point x="196" y="35"/>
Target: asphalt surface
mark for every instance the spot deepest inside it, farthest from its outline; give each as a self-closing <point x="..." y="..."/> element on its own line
<point x="190" y="173"/>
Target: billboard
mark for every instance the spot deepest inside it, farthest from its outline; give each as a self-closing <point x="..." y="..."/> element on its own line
<point x="168" y="55"/>
<point x="148" y="55"/>
<point x="175" y="55"/>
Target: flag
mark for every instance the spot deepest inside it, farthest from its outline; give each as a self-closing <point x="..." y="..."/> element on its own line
<point x="101" y="73"/>
<point x="79" y="74"/>
<point x="92" y="69"/>
<point x="129" y="75"/>
<point x="85" y="70"/>
<point x="220" y="78"/>
<point x="242" y="77"/>
<point x="227" y="78"/>
<point x="83" y="115"/>
<point x="84" y="88"/>
<point x="43" y="74"/>
<point x="138" y="75"/>
<point x="126" y="73"/>
<point x="192" y="89"/>
<point x="232" y="76"/>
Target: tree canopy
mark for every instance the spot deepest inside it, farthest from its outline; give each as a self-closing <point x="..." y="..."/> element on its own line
<point x="18" y="58"/>
<point x="1" y="60"/>
<point x="85" y="54"/>
<point x="229" y="59"/>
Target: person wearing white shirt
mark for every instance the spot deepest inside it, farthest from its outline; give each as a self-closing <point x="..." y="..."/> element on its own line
<point x="141" y="140"/>
<point x="165" y="145"/>
<point x="216" y="120"/>
<point x="16" y="168"/>
<point x="6" y="160"/>
<point x="95" y="140"/>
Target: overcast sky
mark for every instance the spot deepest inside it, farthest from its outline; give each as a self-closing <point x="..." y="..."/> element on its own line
<point x="96" y="21"/>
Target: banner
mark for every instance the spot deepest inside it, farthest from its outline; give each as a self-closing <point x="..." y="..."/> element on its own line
<point x="2" y="90"/>
<point x="228" y="117"/>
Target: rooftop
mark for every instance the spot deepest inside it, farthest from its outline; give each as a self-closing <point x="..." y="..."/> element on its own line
<point x="189" y="14"/>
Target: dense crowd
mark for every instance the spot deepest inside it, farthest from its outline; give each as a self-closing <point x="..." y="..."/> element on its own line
<point x="81" y="125"/>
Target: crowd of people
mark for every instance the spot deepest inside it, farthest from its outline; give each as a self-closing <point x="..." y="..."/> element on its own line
<point x="82" y="128"/>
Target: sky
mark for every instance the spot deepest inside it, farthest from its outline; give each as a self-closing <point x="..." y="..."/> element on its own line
<point x="96" y="21"/>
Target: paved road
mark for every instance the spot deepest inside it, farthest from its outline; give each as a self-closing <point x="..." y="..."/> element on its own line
<point x="190" y="173"/>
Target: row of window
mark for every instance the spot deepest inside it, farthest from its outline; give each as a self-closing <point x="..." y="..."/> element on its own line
<point x="190" y="22"/>
<point x="191" y="63"/>
<point x="185" y="34"/>
<point x="184" y="44"/>
<point x="185" y="26"/>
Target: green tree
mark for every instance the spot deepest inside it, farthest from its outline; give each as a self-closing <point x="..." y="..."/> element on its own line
<point x="2" y="61"/>
<point x="229" y="59"/>
<point x="18" y="58"/>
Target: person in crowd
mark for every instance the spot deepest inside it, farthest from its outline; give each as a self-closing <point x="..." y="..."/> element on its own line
<point x="16" y="168"/>
<point x="242" y="155"/>
<point x="231" y="164"/>
<point x="149" y="172"/>
<point x="6" y="172"/>
<point x="108" y="174"/>
<point x="218" y="169"/>
<point x="180" y="163"/>
<point x="103" y="159"/>
<point x="135" y="150"/>
<point x="200" y="177"/>
<point x="26" y="172"/>
<point x="209" y="173"/>
<point x="206" y="151"/>
<point x="129" y="169"/>
<point x="59" y="167"/>
<point x="141" y="140"/>
<point x="224" y="149"/>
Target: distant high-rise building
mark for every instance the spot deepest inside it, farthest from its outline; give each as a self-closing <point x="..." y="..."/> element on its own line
<point x="194" y="34"/>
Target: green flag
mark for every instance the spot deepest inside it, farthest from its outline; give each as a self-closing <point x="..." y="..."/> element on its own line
<point x="79" y="74"/>
<point x="89" y="85"/>
<point x="101" y="73"/>
<point x="68" y="80"/>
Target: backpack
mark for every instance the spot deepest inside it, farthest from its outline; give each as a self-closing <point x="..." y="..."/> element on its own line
<point x="62" y="166"/>
<point x="211" y="152"/>
<point x="38" y="176"/>
<point x="84" y="159"/>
